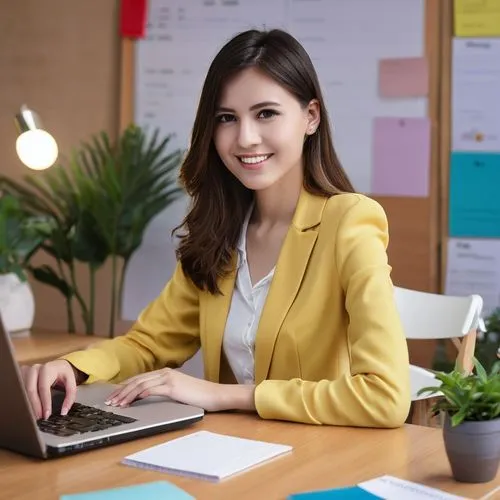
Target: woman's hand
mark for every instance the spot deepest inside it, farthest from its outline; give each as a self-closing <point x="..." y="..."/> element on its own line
<point x="173" y="384"/>
<point x="38" y="380"/>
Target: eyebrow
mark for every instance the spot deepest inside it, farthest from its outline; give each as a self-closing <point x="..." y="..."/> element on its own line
<point x="259" y="105"/>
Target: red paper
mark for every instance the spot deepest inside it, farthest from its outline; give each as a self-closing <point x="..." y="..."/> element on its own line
<point x="133" y="17"/>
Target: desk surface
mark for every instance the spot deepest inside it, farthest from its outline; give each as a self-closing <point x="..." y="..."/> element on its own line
<point x="323" y="457"/>
<point x="42" y="346"/>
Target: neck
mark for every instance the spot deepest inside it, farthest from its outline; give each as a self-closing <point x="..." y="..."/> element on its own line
<point x="276" y="205"/>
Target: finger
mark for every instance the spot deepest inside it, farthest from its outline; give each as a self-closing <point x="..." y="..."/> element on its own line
<point x="44" y="384"/>
<point x="136" y="378"/>
<point x="142" y="388"/>
<point x="116" y="397"/>
<point x="31" y="384"/>
<point x="132" y="379"/>
<point x="69" y="381"/>
<point x="158" y="390"/>
<point x="122" y="385"/>
<point x="139" y="388"/>
<point x="113" y="395"/>
<point x="129" y="392"/>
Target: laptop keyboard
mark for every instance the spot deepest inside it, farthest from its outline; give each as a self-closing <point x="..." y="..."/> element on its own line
<point x="80" y="419"/>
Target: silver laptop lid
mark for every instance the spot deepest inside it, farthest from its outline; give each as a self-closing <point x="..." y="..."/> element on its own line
<point x="18" y="427"/>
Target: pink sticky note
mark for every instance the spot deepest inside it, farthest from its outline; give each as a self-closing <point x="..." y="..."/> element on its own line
<point x="403" y="77"/>
<point x="401" y="156"/>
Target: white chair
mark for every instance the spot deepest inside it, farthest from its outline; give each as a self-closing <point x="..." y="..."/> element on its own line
<point x="432" y="316"/>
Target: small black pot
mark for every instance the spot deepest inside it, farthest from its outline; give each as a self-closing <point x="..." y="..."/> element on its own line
<point x="473" y="449"/>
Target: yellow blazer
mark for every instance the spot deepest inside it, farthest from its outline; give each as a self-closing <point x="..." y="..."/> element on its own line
<point x="329" y="348"/>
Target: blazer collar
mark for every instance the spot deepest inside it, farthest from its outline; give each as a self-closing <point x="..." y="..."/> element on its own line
<point x="290" y="269"/>
<point x="309" y="210"/>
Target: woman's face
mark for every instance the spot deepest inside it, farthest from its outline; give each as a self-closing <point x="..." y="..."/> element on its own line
<point x="260" y="129"/>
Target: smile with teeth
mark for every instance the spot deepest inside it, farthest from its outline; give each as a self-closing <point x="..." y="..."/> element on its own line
<point x="253" y="160"/>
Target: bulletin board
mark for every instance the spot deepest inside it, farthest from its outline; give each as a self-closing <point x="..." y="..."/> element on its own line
<point x="416" y="223"/>
<point x="470" y="226"/>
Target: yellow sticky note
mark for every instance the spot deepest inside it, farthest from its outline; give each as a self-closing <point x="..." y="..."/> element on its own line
<point x="477" y="18"/>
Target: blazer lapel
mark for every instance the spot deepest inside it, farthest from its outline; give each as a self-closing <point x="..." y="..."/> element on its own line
<point x="216" y="309"/>
<point x="288" y="276"/>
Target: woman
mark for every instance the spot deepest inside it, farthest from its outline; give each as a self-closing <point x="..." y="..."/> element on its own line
<point x="282" y="276"/>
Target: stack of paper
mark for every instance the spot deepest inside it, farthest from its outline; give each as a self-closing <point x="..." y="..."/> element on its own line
<point x="206" y="455"/>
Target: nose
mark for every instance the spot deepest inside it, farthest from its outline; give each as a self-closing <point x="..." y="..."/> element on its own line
<point x="248" y="134"/>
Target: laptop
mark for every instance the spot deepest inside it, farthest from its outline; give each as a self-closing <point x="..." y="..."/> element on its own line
<point x="89" y="424"/>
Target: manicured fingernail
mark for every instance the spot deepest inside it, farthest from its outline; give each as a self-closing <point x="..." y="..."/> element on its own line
<point x="64" y="411"/>
<point x="108" y="402"/>
<point x="46" y="415"/>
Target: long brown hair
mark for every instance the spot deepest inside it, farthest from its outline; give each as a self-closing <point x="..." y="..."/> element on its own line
<point x="219" y="201"/>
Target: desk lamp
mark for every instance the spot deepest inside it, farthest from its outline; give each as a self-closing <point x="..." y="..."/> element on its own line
<point x="35" y="147"/>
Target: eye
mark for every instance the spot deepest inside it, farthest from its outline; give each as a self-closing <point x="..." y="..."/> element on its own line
<point x="267" y="113"/>
<point x="225" y="118"/>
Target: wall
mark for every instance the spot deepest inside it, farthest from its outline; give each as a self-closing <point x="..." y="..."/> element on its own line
<point x="62" y="59"/>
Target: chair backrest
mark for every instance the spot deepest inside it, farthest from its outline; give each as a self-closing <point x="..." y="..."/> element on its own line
<point x="432" y="316"/>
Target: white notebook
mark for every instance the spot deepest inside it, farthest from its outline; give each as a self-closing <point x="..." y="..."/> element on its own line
<point x="206" y="455"/>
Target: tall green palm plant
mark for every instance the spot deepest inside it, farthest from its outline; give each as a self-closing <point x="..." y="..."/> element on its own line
<point x="133" y="183"/>
<point x="101" y="203"/>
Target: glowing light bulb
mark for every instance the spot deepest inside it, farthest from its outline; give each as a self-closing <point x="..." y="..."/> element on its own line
<point x="37" y="149"/>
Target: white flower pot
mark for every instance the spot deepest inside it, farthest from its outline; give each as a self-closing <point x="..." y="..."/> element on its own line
<point x="17" y="304"/>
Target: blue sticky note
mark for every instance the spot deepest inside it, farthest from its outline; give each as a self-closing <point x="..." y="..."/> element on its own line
<point x="350" y="493"/>
<point x="159" y="490"/>
<point x="474" y="203"/>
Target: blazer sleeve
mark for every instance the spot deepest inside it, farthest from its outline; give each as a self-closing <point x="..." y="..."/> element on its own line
<point x="376" y="392"/>
<point x="165" y="334"/>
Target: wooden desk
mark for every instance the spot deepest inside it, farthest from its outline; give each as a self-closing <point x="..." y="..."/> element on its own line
<point x="42" y="346"/>
<point x="323" y="457"/>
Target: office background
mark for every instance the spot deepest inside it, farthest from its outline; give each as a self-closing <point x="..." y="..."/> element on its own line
<point x="66" y="60"/>
<point x="63" y="59"/>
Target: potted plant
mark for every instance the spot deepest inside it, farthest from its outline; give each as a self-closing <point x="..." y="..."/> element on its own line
<point x="20" y="238"/>
<point x="471" y="405"/>
<point x="99" y="203"/>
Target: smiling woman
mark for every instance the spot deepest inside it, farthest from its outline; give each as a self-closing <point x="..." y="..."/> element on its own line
<point x="282" y="280"/>
<point x="261" y="97"/>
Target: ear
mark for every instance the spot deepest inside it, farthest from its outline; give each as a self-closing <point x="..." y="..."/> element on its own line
<point x="313" y="117"/>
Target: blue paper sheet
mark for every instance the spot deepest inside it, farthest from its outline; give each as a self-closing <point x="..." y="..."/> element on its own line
<point x="474" y="206"/>
<point x="159" y="490"/>
<point x="350" y="493"/>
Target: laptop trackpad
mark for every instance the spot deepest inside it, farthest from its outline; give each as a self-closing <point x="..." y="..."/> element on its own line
<point x="151" y="400"/>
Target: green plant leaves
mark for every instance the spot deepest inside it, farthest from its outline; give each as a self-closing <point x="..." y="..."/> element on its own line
<point x="89" y="245"/>
<point x="19" y="236"/>
<point x="96" y="207"/>
<point x="481" y="372"/>
<point x="46" y="274"/>
<point x="473" y="397"/>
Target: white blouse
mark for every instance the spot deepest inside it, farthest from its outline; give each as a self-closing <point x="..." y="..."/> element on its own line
<point x="244" y="315"/>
